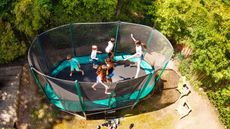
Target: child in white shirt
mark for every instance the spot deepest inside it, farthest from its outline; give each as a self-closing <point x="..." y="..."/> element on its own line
<point x="138" y="54"/>
<point x="109" y="48"/>
<point x="94" y="56"/>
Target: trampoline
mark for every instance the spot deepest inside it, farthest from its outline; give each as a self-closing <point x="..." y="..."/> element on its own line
<point x="74" y="94"/>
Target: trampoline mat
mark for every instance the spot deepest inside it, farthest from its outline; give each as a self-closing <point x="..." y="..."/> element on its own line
<point x="124" y="70"/>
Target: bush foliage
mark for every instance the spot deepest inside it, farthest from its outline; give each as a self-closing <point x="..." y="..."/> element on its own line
<point x="221" y="99"/>
<point x="27" y="18"/>
<point x="205" y="27"/>
<point x="10" y="46"/>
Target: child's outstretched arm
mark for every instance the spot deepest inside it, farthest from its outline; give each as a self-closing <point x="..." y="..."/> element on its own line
<point x="133" y="38"/>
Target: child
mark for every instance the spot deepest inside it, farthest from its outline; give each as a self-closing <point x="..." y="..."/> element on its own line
<point x="94" y="56"/>
<point x="74" y="64"/>
<point x="138" y="54"/>
<point x="109" y="48"/>
<point x="110" y="69"/>
<point x="101" y="73"/>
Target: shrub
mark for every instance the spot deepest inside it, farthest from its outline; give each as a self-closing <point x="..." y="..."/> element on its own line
<point x="10" y="47"/>
<point x="221" y="99"/>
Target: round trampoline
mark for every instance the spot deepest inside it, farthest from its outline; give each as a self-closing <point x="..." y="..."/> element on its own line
<point x="74" y="94"/>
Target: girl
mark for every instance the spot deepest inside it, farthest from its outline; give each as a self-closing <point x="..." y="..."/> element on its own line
<point x="101" y="73"/>
<point x="110" y="69"/>
<point x="138" y="54"/>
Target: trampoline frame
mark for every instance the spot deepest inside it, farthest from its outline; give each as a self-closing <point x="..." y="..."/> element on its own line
<point x="35" y="72"/>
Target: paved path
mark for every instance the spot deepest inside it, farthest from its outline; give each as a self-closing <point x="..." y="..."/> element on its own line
<point x="203" y="115"/>
<point x="9" y="89"/>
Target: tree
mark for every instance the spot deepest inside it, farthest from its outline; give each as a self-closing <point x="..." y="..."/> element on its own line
<point x="202" y="26"/>
<point x="205" y="27"/>
<point x="71" y="11"/>
<point x="32" y="16"/>
<point x="10" y="46"/>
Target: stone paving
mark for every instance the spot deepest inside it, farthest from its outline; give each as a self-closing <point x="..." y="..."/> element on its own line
<point x="9" y="90"/>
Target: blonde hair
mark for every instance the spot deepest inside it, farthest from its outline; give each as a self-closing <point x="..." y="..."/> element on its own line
<point x="94" y="47"/>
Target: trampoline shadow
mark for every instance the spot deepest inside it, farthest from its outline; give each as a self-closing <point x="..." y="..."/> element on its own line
<point x="126" y="63"/>
<point x="125" y="78"/>
<point x="164" y="94"/>
<point x="161" y="97"/>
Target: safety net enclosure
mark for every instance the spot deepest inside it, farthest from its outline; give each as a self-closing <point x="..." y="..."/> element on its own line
<point x="49" y="67"/>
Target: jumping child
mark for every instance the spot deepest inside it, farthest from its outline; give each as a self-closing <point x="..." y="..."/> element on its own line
<point x="110" y="69"/>
<point x="94" y="56"/>
<point x="74" y="64"/>
<point x="109" y="48"/>
<point x="138" y="54"/>
<point x="101" y="73"/>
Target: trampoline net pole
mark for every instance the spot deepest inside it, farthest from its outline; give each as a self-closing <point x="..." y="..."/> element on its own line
<point x="42" y="53"/>
<point x="142" y="89"/>
<point x="71" y="39"/>
<point x="161" y="73"/>
<point x="80" y="97"/>
<point x="149" y="39"/>
<point x="110" y="98"/>
<point x="38" y="82"/>
<point x="116" y="38"/>
<point x="149" y="77"/>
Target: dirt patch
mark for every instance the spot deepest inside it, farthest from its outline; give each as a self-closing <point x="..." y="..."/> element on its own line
<point x="163" y="95"/>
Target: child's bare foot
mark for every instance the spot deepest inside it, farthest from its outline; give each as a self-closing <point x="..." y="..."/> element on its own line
<point x="108" y="93"/>
<point x="94" y="88"/>
<point x="82" y="72"/>
<point x="95" y="66"/>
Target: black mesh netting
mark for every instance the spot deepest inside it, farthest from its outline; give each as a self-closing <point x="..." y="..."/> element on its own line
<point x="50" y="49"/>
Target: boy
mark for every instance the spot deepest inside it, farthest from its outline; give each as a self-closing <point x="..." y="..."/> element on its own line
<point x="94" y="56"/>
<point x="109" y="48"/>
<point x="74" y="64"/>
